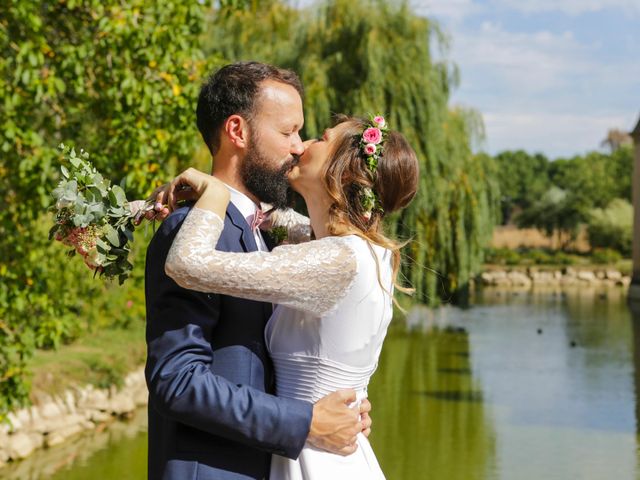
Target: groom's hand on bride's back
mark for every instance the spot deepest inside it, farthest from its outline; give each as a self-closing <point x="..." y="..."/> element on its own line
<point x="365" y="408"/>
<point x="335" y="426"/>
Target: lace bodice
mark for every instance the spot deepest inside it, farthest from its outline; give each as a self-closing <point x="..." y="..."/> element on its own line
<point x="311" y="277"/>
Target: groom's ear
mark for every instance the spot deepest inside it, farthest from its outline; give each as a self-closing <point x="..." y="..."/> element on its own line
<point x="236" y="129"/>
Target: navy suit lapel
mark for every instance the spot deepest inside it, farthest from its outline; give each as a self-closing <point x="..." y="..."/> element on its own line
<point x="246" y="235"/>
<point x="248" y="242"/>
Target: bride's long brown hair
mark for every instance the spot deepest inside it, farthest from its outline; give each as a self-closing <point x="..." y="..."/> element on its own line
<point x="394" y="184"/>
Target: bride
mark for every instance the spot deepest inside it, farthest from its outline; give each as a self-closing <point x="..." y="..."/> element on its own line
<point x="334" y="294"/>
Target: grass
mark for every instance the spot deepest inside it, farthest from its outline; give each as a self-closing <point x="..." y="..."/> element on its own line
<point x="101" y="358"/>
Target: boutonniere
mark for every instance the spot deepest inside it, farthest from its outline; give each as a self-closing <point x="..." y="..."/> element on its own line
<point x="286" y="226"/>
<point x="280" y="235"/>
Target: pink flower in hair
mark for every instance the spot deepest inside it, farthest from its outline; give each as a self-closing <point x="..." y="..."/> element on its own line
<point x="369" y="149"/>
<point x="380" y="121"/>
<point x="372" y="135"/>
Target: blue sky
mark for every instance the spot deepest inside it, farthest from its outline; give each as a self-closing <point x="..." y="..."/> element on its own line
<point x="550" y="76"/>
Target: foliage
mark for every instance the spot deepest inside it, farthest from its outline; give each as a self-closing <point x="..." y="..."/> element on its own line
<point x="530" y="256"/>
<point x="530" y="187"/>
<point x="101" y="359"/>
<point x="605" y="256"/>
<point x="349" y="62"/>
<point x="595" y="178"/>
<point x="523" y="178"/>
<point x="557" y="212"/>
<point x="119" y="78"/>
<point x="612" y="227"/>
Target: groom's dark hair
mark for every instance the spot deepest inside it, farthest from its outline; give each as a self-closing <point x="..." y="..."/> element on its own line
<point x="233" y="90"/>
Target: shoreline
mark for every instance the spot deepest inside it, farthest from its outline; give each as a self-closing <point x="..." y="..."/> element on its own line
<point x="531" y="276"/>
<point x="55" y="419"/>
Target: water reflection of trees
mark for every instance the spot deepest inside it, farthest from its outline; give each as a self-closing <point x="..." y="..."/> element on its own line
<point x="593" y="317"/>
<point x="429" y="417"/>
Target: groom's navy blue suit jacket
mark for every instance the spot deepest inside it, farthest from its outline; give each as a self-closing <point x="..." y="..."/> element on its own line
<point x="211" y="415"/>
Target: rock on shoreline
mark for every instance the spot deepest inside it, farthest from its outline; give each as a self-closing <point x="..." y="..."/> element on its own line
<point x="55" y="419"/>
<point x="532" y="276"/>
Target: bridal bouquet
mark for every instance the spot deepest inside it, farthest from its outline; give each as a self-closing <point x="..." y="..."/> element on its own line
<point x="94" y="217"/>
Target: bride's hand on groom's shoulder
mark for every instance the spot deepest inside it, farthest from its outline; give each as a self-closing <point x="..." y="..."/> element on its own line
<point x="188" y="186"/>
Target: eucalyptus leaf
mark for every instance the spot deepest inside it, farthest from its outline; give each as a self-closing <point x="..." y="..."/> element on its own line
<point x="97" y="180"/>
<point x="119" y="194"/>
<point x="102" y="245"/>
<point x="71" y="186"/>
<point x="117" y="212"/>
<point x="81" y="220"/>
<point x="112" y="235"/>
<point x="65" y="171"/>
<point x="94" y="194"/>
<point x="57" y="192"/>
<point x="96" y="208"/>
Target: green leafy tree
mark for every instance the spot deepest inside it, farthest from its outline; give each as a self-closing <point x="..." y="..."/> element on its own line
<point x="120" y="79"/>
<point x="558" y="213"/>
<point x="381" y="62"/>
<point x="596" y="178"/>
<point x="523" y="178"/>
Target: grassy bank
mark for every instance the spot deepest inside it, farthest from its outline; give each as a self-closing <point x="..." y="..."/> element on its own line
<point x="557" y="259"/>
<point x="101" y="358"/>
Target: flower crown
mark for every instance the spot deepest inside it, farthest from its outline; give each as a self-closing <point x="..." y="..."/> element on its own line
<point x="372" y="148"/>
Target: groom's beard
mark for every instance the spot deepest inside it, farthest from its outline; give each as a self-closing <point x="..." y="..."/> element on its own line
<point x="269" y="184"/>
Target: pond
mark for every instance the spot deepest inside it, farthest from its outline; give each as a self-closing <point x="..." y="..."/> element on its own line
<point x="523" y="385"/>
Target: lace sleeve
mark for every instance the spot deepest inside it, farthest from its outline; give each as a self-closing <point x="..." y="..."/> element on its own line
<point x="312" y="276"/>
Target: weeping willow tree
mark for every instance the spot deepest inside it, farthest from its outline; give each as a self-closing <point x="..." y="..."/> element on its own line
<point x="369" y="56"/>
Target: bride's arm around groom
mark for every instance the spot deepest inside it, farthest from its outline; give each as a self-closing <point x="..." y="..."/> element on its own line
<point x="207" y="377"/>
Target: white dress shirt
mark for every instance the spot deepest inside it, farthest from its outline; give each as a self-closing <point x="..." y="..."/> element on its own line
<point x="248" y="210"/>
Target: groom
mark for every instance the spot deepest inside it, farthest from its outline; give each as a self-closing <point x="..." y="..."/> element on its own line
<point x="212" y="412"/>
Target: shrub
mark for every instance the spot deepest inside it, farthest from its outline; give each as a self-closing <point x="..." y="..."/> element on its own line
<point x="562" y="258"/>
<point x="605" y="255"/>
<point x="540" y="257"/>
<point x="612" y="227"/>
<point x="502" y="256"/>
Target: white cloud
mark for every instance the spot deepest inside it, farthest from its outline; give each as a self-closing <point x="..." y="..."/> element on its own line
<point x="525" y="62"/>
<point x="543" y="91"/>
<point x="451" y="10"/>
<point x="551" y="133"/>
<point x="570" y="7"/>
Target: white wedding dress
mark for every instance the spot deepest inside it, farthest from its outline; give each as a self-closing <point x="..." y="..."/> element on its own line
<point x="326" y="332"/>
